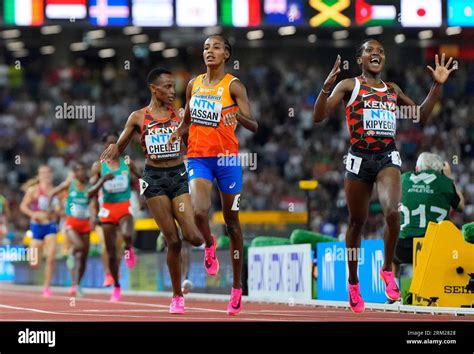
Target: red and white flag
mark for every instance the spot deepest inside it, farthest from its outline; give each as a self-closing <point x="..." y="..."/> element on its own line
<point x="421" y="13"/>
<point x="66" y="9"/>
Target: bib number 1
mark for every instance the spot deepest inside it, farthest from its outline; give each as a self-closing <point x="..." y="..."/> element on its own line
<point x="353" y="163"/>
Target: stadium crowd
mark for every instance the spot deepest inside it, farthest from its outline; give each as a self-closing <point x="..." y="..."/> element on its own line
<point x="288" y="145"/>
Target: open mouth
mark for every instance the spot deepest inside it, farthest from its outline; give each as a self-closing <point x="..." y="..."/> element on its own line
<point x="210" y="57"/>
<point x="375" y="61"/>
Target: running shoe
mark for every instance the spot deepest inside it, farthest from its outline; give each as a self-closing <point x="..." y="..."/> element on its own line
<point x="115" y="294"/>
<point x="391" y="288"/>
<point x="186" y="286"/>
<point x="177" y="305"/>
<point x="210" y="259"/>
<point x="130" y="258"/>
<point x="47" y="292"/>
<point x="235" y="303"/>
<point x="72" y="290"/>
<point x="79" y="292"/>
<point x="356" y="301"/>
<point x="108" y="281"/>
<point x="70" y="261"/>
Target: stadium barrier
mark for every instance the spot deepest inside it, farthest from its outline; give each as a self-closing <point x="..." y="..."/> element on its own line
<point x="275" y="219"/>
<point x="333" y="273"/>
<point x="280" y="272"/>
<point x="150" y="273"/>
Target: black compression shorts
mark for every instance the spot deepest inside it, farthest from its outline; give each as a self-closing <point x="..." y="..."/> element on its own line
<point x="169" y="181"/>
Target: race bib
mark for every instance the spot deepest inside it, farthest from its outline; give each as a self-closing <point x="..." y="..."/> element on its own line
<point x="158" y="148"/>
<point x="103" y="213"/>
<point x="118" y="184"/>
<point x="80" y="211"/>
<point x="143" y="186"/>
<point x="353" y="163"/>
<point x="236" y="203"/>
<point x="396" y="160"/>
<point x="205" y="112"/>
<point x="379" y="122"/>
<point x="43" y="202"/>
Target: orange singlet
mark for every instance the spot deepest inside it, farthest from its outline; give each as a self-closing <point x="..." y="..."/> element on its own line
<point x="208" y="136"/>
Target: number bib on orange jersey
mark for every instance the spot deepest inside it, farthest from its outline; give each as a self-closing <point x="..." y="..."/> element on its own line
<point x="205" y="110"/>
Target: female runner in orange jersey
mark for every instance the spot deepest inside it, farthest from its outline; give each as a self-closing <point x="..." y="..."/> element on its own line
<point x="215" y="102"/>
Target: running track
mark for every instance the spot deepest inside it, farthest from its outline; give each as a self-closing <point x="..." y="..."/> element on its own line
<point x="25" y="303"/>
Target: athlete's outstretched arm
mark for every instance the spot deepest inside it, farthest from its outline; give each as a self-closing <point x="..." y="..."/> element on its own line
<point x="113" y="151"/>
<point x="37" y="216"/>
<point x="244" y="114"/>
<point x="26" y="201"/>
<point x="325" y="105"/>
<point x="62" y="186"/>
<point x="58" y="189"/>
<point x="440" y="74"/>
<point x="97" y="180"/>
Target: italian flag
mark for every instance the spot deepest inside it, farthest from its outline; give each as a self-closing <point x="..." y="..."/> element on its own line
<point x="23" y="12"/>
<point x="240" y="13"/>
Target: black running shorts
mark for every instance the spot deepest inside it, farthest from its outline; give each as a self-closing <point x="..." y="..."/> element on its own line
<point x="169" y="181"/>
<point x="365" y="166"/>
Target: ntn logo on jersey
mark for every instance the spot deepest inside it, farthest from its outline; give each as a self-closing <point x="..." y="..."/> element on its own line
<point x="160" y="138"/>
<point x="205" y="104"/>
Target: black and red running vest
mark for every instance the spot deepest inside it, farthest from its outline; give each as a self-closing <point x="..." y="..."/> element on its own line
<point x="155" y="134"/>
<point x="371" y="115"/>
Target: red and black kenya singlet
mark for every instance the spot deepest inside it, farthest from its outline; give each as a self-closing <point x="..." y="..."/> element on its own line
<point x="155" y="134"/>
<point x="371" y="116"/>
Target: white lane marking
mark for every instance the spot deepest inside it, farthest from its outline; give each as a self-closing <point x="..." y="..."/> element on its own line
<point x="26" y="309"/>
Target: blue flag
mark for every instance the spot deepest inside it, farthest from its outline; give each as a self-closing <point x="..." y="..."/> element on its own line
<point x="109" y="12"/>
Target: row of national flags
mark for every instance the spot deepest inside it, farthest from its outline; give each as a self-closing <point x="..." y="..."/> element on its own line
<point x="101" y="12"/>
<point x="241" y="13"/>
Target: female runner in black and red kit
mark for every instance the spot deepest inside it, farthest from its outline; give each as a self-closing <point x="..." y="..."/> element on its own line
<point x="164" y="182"/>
<point x="371" y="113"/>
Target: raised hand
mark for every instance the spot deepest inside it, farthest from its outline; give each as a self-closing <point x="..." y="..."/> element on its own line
<point x="173" y="138"/>
<point x="331" y="79"/>
<point x="111" y="153"/>
<point x="441" y="71"/>
<point x="108" y="176"/>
